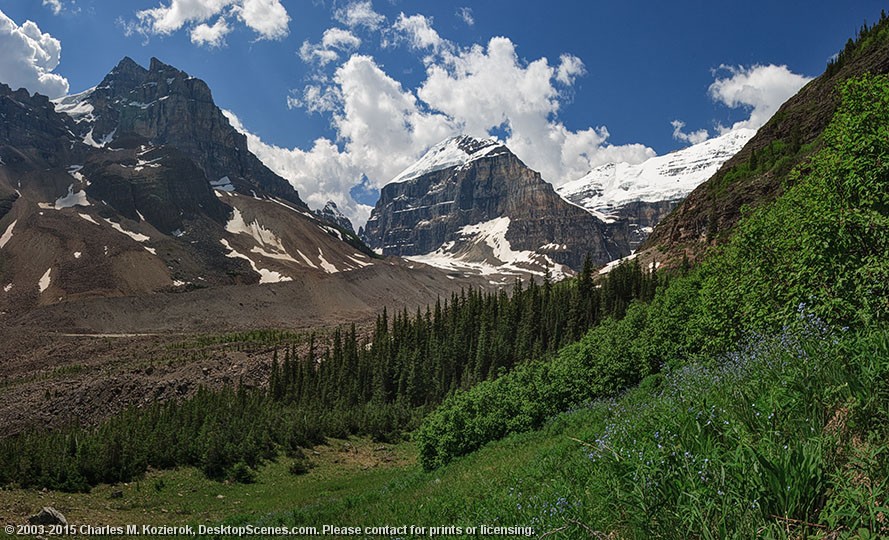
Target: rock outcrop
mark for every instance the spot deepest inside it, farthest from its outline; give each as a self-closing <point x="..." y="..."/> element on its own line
<point x="48" y="516"/>
<point x="461" y="187"/>
<point x="332" y="215"/>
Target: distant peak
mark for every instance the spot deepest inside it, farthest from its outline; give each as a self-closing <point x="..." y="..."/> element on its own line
<point x="451" y="152"/>
<point x="470" y="145"/>
<point x="156" y="65"/>
<point x="331" y="214"/>
<point x="127" y="64"/>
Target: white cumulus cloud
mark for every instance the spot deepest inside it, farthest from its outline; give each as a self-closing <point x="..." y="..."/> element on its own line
<point x="267" y="18"/>
<point x="418" y="31"/>
<point x="761" y="89"/>
<point x="29" y="56"/>
<point x="333" y="40"/>
<point x="360" y="13"/>
<point x="321" y="174"/>
<point x="694" y="137"/>
<point x="465" y="13"/>
<point x="570" y="67"/>
<point x="54" y="5"/>
<point x="384" y="127"/>
<point x="488" y="88"/>
<point x="210" y="36"/>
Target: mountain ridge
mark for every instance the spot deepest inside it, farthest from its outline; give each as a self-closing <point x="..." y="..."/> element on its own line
<point x="167" y="106"/>
<point x="451" y="203"/>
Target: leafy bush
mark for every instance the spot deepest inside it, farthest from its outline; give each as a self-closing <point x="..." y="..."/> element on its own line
<point x="758" y="441"/>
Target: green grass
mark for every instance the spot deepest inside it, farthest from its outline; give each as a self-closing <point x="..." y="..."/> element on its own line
<point x="787" y="438"/>
<point x="781" y="440"/>
<point x="185" y="496"/>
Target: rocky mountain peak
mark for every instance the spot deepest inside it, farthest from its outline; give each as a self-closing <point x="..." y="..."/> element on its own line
<point x="166" y="106"/>
<point x="155" y="66"/>
<point x="127" y="66"/>
<point x="470" y="203"/>
<point x="331" y="214"/>
<point x="451" y="152"/>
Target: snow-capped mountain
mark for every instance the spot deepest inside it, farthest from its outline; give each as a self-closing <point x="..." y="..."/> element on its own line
<point x="450" y="153"/>
<point x="470" y="205"/>
<point x="642" y="194"/>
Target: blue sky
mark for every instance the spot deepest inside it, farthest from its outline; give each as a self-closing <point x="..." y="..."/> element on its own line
<point x="333" y="91"/>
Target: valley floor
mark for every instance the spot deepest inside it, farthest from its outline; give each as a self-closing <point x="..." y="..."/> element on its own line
<point x="352" y="483"/>
<point x="340" y="468"/>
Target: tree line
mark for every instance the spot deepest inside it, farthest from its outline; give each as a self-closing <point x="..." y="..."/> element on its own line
<point x="378" y="383"/>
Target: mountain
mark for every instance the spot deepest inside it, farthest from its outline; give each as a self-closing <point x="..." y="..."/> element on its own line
<point x="470" y="205"/>
<point x="332" y="215"/>
<point x="641" y="195"/>
<point x="758" y="173"/>
<point x="140" y="187"/>
<point x="166" y="106"/>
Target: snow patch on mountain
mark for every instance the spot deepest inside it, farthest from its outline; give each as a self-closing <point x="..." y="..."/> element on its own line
<point x="7" y="235"/>
<point x="138" y="237"/>
<point x="453" y="152"/>
<point x="265" y="275"/>
<point x="279" y="256"/>
<point x="72" y="199"/>
<point x="45" y="280"/>
<point x="325" y="265"/>
<point x="483" y="249"/>
<point x="264" y="237"/>
<point x="77" y="106"/>
<point x="223" y="184"/>
<point x="88" y="218"/>
<point x="91" y="141"/>
<point x="74" y="171"/>
<point x="662" y="178"/>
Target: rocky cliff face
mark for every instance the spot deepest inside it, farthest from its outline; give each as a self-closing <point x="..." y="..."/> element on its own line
<point x="331" y="214"/>
<point x="168" y="107"/>
<point x="160" y="185"/>
<point x="467" y="192"/>
<point x="30" y="130"/>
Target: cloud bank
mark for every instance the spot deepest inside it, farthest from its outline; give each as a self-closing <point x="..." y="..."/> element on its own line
<point x="760" y="89"/>
<point x="29" y="56"/>
<point x="268" y="19"/>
